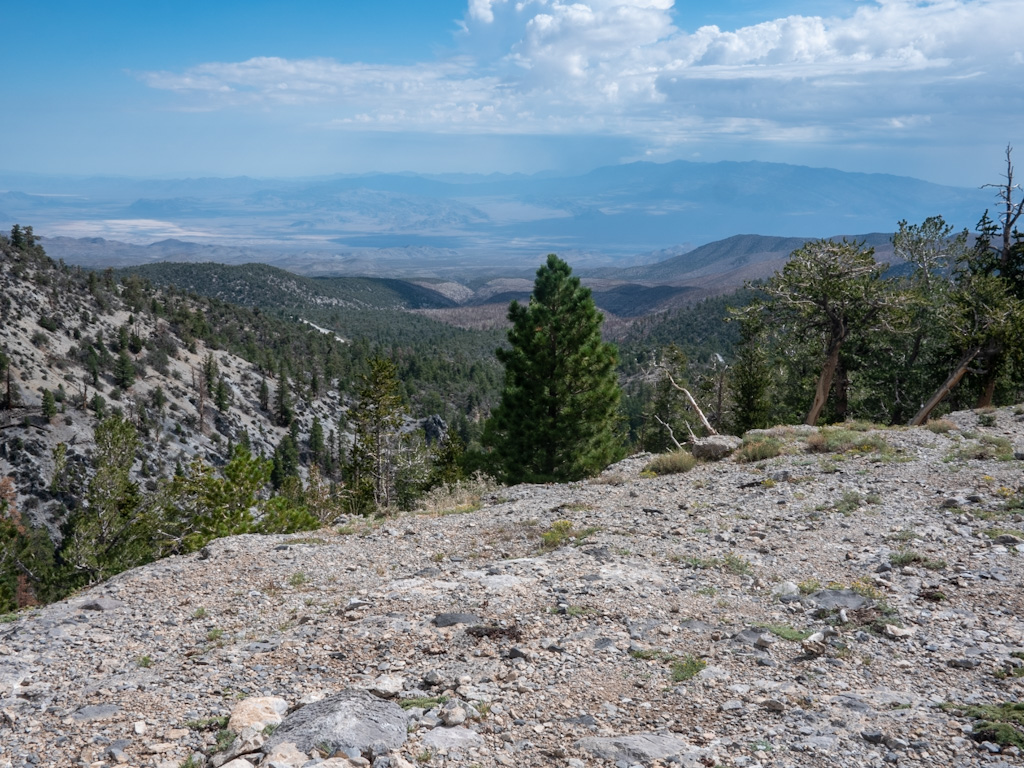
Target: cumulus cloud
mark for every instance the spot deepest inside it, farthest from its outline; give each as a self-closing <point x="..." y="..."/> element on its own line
<point x="630" y="67"/>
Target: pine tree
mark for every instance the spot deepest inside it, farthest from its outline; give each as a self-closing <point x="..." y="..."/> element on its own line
<point x="113" y="531"/>
<point x="376" y="422"/>
<point x="556" y="419"/>
<point x="49" y="405"/>
<point x="124" y="370"/>
<point x="222" y="395"/>
<point x="286" y="461"/>
<point x="283" y="406"/>
<point x="264" y="395"/>
<point x="749" y="379"/>
<point x="317" y="448"/>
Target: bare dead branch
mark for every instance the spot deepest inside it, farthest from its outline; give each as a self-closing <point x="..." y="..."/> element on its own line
<point x="703" y="419"/>
<point x="671" y="434"/>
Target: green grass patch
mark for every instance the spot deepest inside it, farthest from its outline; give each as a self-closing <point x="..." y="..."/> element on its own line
<point x="986" y="448"/>
<point x="850" y="502"/>
<point x="673" y="463"/>
<point x="562" y="532"/>
<point x="730" y="563"/>
<point x="846" y="440"/>
<point x="687" y="668"/>
<point x="787" y="632"/>
<point x="680" y="669"/>
<point x="651" y="654"/>
<point x="209" y="723"/>
<point x="995" y="533"/>
<point x="736" y="565"/>
<point x="1002" y="724"/>
<point x="423" y="702"/>
<point x="758" y="449"/>
<point x="910" y="557"/>
<point x="809" y="586"/>
<point x="225" y="739"/>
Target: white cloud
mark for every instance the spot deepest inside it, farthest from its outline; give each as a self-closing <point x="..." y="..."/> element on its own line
<point x="625" y="67"/>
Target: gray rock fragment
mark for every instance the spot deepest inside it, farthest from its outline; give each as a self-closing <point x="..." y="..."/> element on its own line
<point x="644" y="747"/>
<point x="451" y="619"/>
<point x="101" y="604"/>
<point x="452" y="738"/>
<point x="834" y="599"/>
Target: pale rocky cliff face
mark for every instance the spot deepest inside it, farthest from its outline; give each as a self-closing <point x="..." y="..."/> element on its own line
<point x="44" y="359"/>
<point x="806" y="610"/>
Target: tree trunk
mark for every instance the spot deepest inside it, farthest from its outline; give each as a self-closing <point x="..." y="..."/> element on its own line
<point x="824" y="383"/>
<point x="946" y="388"/>
<point x="991" y="376"/>
<point x="842" y="392"/>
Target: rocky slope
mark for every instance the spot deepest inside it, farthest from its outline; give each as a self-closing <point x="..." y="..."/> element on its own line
<point x="48" y="317"/>
<point x="844" y="603"/>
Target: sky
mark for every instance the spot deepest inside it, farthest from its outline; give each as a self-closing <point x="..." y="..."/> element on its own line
<point x="926" y="88"/>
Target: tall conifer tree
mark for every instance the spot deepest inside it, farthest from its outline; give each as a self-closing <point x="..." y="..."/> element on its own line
<point x="556" y="420"/>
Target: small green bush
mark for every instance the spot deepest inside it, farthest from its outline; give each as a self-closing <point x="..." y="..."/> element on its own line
<point x="687" y="668"/>
<point x="673" y="463"/>
<point x="562" y="532"/>
<point x="987" y="447"/>
<point x="909" y="556"/>
<point x="758" y="448"/>
<point x="844" y="440"/>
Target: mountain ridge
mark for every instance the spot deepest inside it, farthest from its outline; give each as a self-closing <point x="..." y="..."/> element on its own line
<point x="607" y="216"/>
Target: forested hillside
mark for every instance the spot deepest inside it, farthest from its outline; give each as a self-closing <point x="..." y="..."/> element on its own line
<point x="444" y="370"/>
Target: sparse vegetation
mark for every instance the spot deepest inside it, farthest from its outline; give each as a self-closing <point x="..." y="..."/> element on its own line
<point x="758" y="449"/>
<point x="1002" y="724"/>
<point x="787" y="632"/>
<point x="562" y="532"/>
<point x="422" y="702"/>
<point x="910" y="557"/>
<point x="672" y="463"/>
<point x="846" y="440"/>
<point x="687" y="668"/>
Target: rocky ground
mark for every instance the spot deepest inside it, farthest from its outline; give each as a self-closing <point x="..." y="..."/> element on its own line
<point x="841" y="607"/>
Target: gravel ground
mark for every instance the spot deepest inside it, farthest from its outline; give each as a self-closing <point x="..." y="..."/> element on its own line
<point x="816" y="608"/>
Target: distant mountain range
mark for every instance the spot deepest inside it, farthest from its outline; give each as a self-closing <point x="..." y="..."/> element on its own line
<point x="465" y="226"/>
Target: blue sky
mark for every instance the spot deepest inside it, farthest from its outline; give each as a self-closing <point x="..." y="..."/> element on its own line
<point x="927" y="88"/>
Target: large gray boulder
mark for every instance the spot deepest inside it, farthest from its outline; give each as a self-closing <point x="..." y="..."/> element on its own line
<point x="352" y="722"/>
<point x="714" y="447"/>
